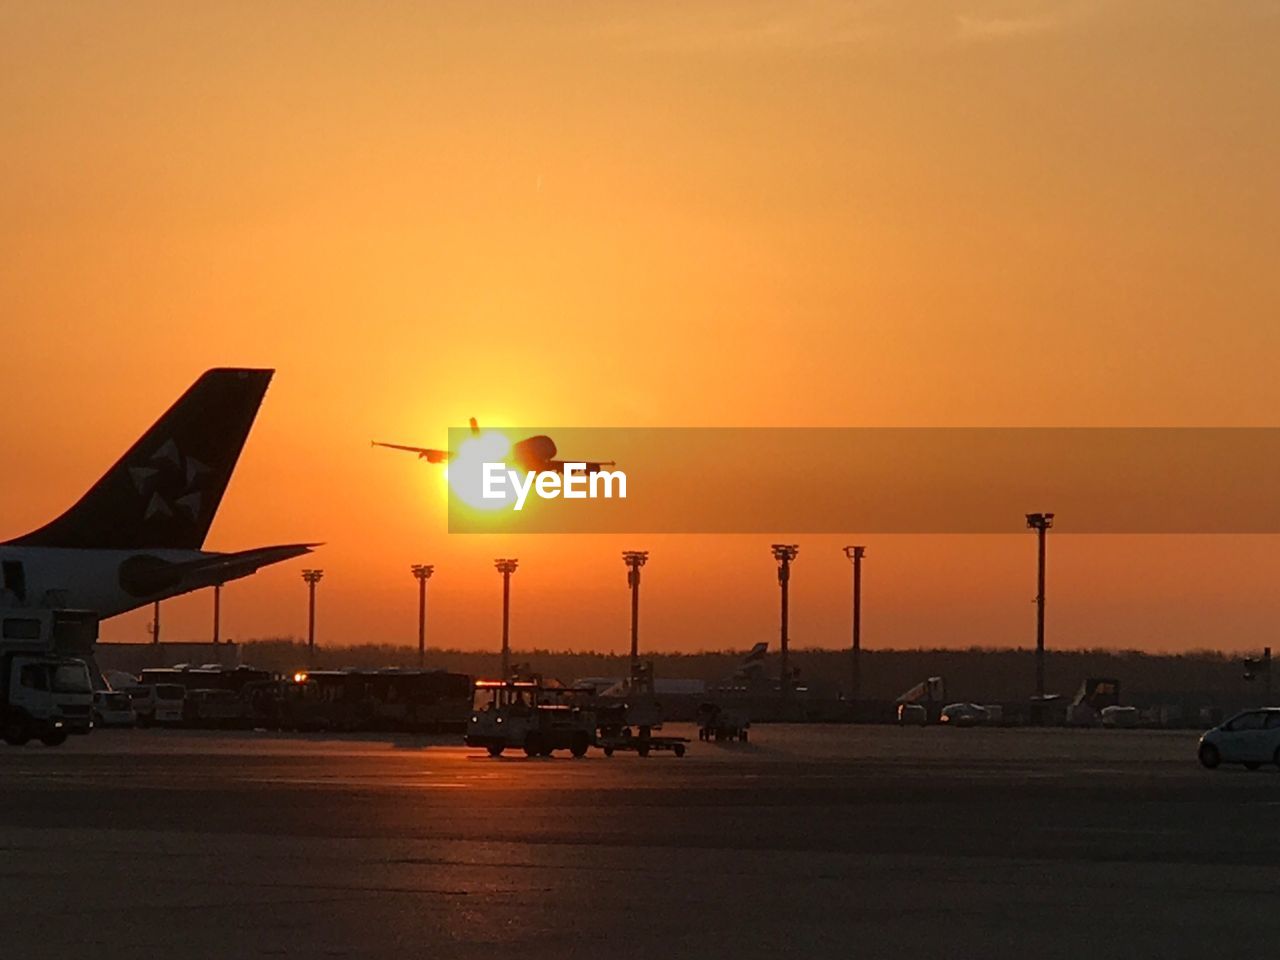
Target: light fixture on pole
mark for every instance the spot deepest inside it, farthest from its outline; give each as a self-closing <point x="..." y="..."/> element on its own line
<point x="506" y="567"/>
<point x="784" y="553"/>
<point x="1040" y="522"/>
<point x="422" y="573"/>
<point x="634" y="559"/>
<point x="855" y="555"/>
<point x="312" y="577"/>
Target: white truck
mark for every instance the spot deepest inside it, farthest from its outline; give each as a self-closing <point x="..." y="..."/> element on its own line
<point x="45" y="688"/>
<point x="522" y="715"/>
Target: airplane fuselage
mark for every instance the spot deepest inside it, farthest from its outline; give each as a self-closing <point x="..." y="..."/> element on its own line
<point x="81" y="579"/>
<point x="111" y="582"/>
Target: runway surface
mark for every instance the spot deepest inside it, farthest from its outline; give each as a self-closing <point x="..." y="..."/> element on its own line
<point x="807" y="842"/>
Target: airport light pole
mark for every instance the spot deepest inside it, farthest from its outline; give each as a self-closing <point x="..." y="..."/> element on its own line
<point x="422" y="573"/>
<point x="784" y="553"/>
<point x="155" y="622"/>
<point x="506" y="567"/>
<point x="1040" y="523"/>
<point x="855" y="555"/>
<point x="217" y="612"/>
<point x="312" y="577"/>
<point x="635" y="559"/>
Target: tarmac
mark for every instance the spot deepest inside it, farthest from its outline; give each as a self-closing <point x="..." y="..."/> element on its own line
<point x="815" y="841"/>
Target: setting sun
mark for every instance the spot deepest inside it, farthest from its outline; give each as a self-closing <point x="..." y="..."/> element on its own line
<point x="465" y="469"/>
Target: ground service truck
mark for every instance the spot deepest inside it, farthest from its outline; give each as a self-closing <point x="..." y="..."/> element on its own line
<point x="45" y="687"/>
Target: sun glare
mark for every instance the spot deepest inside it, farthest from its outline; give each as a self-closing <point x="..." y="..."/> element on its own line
<point x="465" y="470"/>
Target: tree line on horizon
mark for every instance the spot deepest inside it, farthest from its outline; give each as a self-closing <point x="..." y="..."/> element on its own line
<point x="972" y="673"/>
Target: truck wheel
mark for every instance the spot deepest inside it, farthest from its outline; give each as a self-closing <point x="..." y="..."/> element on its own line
<point x="16" y="733"/>
<point x="608" y="751"/>
<point x="580" y="744"/>
<point x="55" y="739"/>
<point x="495" y="749"/>
<point x="643" y="749"/>
<point x="532" y="745"/>
<point x="679" y="749"/>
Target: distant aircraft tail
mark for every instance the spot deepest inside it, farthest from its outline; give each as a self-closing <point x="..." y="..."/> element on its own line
<point x="164" y="492"/>
<point x="753" y="663"/>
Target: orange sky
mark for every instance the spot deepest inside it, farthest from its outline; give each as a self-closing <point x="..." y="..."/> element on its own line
<point x="720" y="213"/>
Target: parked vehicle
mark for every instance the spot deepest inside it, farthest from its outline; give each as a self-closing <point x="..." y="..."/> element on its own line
<point x="142" y="697"/>
<point x="719" y="723"/>
<point x="963" y="715"/>
<point x="214" y="708"/>
<point x="112" y="708"/>
<point x="1118" y="716"/>
<point x="44" y="693"/>
<point x="326" y="700"/>
<point x="517" y="714"/>
<point x="912" y="715"/>
<point x="168" y="703"/>
<point x="418" y="700"/>
<point x="1251" y="738"/>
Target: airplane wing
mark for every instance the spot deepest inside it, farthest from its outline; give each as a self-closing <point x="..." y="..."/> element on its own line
<point x="143" y="575"/>
<point x="424" y="453"/>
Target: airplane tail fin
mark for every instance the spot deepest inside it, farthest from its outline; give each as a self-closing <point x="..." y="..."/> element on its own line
<point x="164" y="492"/>
<point x="753" y="663"/>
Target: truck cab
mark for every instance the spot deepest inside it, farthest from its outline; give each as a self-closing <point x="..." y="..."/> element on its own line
<point x="45" y="686"/>
<point x="46" y="697"/>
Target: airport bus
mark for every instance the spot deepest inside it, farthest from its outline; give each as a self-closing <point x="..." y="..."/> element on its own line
<point x="419" y="700"/>
<point x="383" y="700"/>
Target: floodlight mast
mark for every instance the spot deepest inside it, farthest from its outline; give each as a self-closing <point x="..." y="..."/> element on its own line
<point x="422" y="573"/>
<point x="635" y="559"/>
<point x="1040" y="523"/>
<point x="784" y="553"/>
<point x="855" y="555"/>
<point x="217" y="613"/>
<point x="506" y="567"/>
<point x="312" y="577"/>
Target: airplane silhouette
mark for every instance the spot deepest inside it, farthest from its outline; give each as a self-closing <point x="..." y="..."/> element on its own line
<point x="532" y="454"/>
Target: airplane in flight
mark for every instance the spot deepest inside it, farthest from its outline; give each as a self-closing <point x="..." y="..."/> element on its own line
<point x="532" y="454"/>
<point x="137" y="535"/>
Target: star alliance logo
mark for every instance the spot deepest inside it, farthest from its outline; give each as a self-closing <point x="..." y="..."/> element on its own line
<point x="170" y="483"/>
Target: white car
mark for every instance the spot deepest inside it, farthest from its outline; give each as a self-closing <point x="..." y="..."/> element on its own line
<point x="112" y="708"/>
<point x="963" y="715"/>
<point x="1251" y="738"/>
